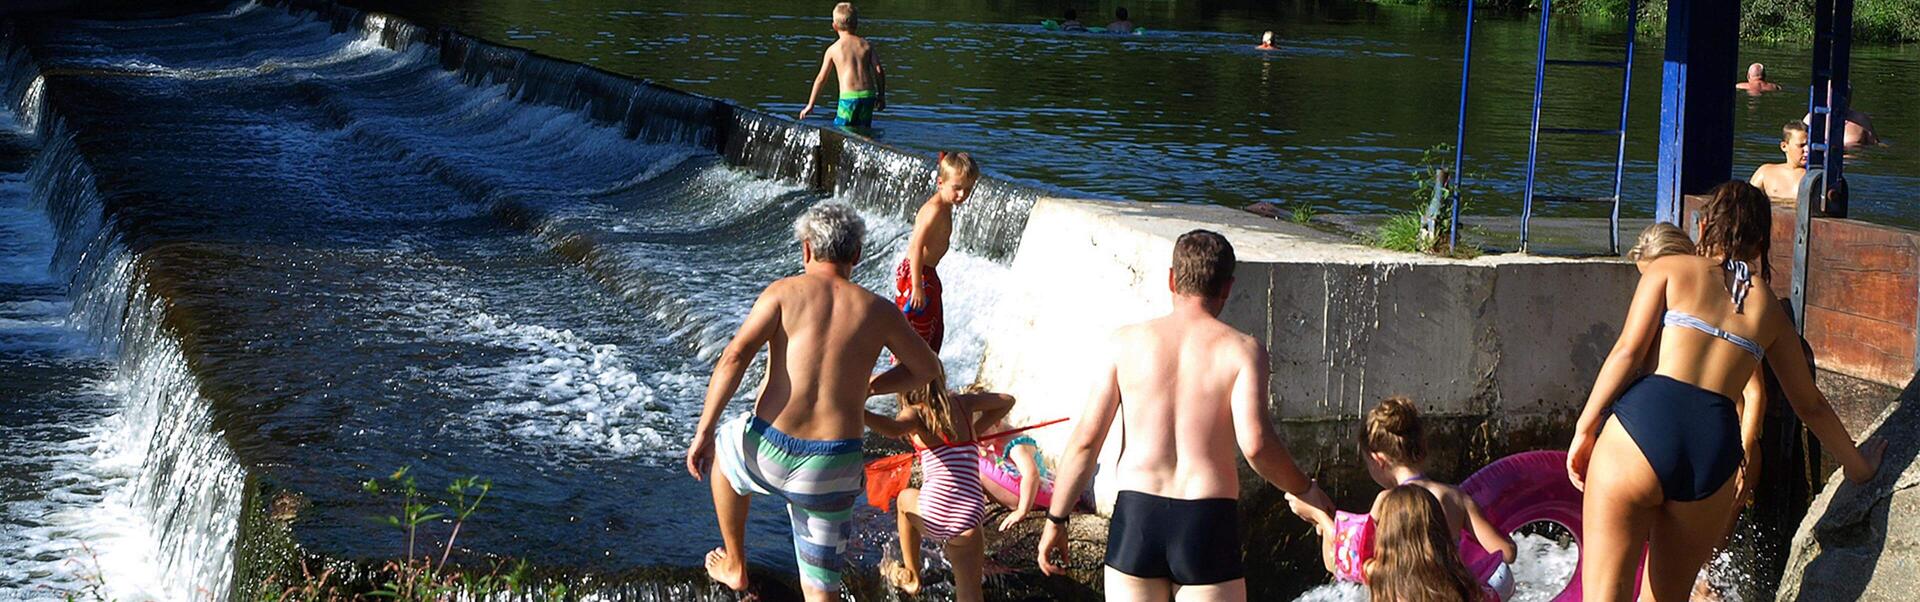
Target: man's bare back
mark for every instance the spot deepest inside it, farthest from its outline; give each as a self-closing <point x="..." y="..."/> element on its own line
<point x="1179" y="385"/>
<point x="819" y="362"/>
<point x="1177" y="376"/>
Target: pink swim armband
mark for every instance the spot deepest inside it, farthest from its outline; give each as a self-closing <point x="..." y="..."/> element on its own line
<point x="1352" y="545"/>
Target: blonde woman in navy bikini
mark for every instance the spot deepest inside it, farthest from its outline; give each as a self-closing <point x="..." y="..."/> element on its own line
<point x="1656" y="455"/>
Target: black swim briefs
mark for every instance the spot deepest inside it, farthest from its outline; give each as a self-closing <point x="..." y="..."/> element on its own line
<point x="1189" y="542"/>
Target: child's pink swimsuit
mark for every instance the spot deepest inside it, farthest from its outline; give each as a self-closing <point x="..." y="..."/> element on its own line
<point x="952" y="499"/>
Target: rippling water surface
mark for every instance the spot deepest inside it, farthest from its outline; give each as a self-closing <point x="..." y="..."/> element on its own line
<point x="1336" y="117"/>
<point x="366" y="259"/>
<point x="248" y="252"/>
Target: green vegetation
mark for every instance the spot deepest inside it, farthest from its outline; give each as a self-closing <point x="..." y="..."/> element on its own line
<point x="419" y="577"/>
<point x="1401" y="232"/>
<point x="1425" y="229"/>
<point x="1301" y="212"/>
<point x="1874" y="21"/>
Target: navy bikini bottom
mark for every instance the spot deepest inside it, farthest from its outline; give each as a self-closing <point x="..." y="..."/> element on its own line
<point x="1691" y="436"/>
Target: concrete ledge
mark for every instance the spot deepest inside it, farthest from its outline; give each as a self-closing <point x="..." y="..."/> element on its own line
<point x="1505" y="345"/>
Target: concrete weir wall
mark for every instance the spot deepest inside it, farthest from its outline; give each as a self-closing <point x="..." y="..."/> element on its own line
<point x="1499" y="351"/>
<point x="1501" y="348"/>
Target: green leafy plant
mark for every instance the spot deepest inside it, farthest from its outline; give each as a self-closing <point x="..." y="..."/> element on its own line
<point x="1426" y="228"/>
<point x="1401" y="232"/>
<point x="423" y="578"/>
<point x="1301" y="212"/>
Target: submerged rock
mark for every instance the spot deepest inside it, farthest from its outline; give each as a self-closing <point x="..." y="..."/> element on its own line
<point x="1862" y="542"/>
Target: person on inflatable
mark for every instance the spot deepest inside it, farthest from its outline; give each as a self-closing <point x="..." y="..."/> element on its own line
<point x="1393" y="446"/>
<point x="1411" y="553"/>
<point x="1656" y="455"/>
<point x="1016" y="475"/>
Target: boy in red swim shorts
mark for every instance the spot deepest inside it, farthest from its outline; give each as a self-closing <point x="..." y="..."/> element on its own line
<point x="917" y="281"/>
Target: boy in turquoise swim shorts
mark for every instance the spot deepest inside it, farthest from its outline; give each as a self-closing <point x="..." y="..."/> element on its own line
<point x="863" y="82"/>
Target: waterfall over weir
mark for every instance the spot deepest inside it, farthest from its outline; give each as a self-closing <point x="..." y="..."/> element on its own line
<point x="142" y="495"/>
<point x="278" y="250"/>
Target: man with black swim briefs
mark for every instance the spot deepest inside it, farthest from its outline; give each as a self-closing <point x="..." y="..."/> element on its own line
<point x="1195" y="394"/>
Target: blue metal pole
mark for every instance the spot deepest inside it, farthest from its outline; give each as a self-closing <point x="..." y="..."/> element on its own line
<point x="1696" y="104"/>
<point x="1533" y="140"/>
<point x="1818" y="108"/>
<point x="1835" y="205"/>
<point x="1626" y="97"/>
<point x="1460" y="134"/>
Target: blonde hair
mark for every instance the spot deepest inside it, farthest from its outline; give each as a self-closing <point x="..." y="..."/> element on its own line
<point x="1660" y="240"/>
<point x="1392" y="429"/>
<point x="1415" y="559"/>
<point x="845" y="18"/>
<point x="933" y="405"/>
<point x="958" y="165"/>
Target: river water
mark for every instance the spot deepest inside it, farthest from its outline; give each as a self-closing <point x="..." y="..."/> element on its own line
<point x="349" y="260"/>
<point x="1337" y="117"/>
<point x="245" y="255"/>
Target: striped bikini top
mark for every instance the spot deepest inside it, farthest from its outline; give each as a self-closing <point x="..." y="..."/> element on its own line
<point x="1742" y="282"/>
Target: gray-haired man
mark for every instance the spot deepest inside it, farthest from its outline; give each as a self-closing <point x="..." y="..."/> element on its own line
<point x="824" y="335"/>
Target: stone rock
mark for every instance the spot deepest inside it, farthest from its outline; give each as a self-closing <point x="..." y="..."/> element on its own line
<point x="1862" y="542"/>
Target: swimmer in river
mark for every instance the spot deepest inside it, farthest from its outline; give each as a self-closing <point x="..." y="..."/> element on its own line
<point x="1120" y="24"/>
<point x="801" y="442"/>
<point x="1072" y="22"/>
<point x="917" y="281"/>
<point x="1757" y="83"/>
<point x="863" y="81"/>
<point x="1656" y="455"/>
<point x="1266" y="41"/>
<point x="1195" y="392"/>
<point x="1781" y="181"/>
<point x="1859" y="129"/>
<point x="1393" y="445"/>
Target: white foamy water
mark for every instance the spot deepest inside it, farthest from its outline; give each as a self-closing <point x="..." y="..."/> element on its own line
<point x="970" y="293"/>
<point x="78" y="525"/>
<point x="571" y="388"/>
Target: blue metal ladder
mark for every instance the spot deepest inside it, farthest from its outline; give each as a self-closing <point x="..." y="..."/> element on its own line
<point x="1541" y="63"/>
<point x="1823" y="191"/>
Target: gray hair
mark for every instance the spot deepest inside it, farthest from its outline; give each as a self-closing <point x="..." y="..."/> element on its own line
<point x="834" y="231"/>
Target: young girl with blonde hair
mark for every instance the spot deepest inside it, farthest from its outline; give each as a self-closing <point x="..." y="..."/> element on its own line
<point x="944" y="427"/>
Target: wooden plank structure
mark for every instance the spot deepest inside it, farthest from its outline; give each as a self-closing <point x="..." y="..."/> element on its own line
<point x="1863" y="293"/>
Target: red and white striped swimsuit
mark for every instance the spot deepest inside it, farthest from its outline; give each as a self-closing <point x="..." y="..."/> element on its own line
<point x="951" y="497"/>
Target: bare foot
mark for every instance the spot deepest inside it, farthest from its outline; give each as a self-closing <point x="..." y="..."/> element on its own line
<point x="902" y="578"/>
<point x="725" y="571"/>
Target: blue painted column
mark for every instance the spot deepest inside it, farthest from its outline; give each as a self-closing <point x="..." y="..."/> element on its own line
<point x="1696" y="101"/>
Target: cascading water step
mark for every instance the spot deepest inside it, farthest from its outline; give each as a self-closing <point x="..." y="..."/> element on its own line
<point x="341" y="259"/>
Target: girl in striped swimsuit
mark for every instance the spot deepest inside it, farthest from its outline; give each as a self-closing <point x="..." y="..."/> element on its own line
<point x="951" y="502"/>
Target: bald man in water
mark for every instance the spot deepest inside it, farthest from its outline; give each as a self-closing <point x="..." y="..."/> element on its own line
<point x="1757" y="83"/>
<point x="1191" y="395"/>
